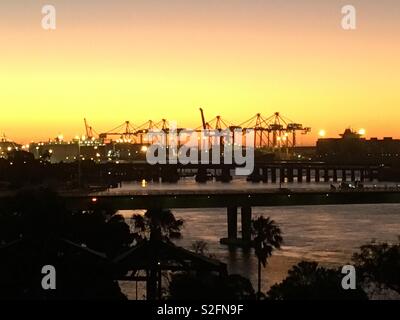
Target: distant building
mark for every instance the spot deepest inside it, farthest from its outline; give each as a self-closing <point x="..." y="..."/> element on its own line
<point x="68" y="151"/>
<point x="351" y="147"/>
<point x="303" y="152"/>
<point x="7" y="146"/>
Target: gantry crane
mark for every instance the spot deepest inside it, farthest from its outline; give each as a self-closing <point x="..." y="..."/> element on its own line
<point x="89" y="130"/>
<point x="125" y="132"/>
<point x="275" y="131"/>
<point x="213" y="127"/>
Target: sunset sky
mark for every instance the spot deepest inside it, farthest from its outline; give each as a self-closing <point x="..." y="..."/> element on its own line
<point x="111" y="61"/>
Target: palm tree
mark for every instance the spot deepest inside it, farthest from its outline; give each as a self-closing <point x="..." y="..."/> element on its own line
<point x="157" y="224"/>
<point x="154" y="227"/>
<point x="267" y="236"/>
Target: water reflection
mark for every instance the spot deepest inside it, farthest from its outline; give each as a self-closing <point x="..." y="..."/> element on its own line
<point x="328" y="234"/>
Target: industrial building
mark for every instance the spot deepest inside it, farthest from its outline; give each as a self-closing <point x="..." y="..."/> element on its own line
<point x="7" y="146"/>
<point x="351" y="147"/>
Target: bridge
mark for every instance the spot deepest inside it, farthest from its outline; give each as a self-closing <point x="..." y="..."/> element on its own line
<point x="232" y="200"/>
<point x="267" y="172"/>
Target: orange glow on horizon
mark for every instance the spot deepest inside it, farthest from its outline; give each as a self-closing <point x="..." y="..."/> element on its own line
<point x="132" y="62"/>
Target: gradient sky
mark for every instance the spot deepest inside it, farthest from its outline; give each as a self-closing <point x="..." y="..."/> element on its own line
<point x="111" y="61"/>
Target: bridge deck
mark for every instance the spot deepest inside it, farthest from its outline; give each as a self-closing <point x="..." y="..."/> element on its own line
<point x="126" y="200"/>
<point x="207" y="199"/>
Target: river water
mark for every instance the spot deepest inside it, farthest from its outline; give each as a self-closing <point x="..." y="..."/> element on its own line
<point x="329" y="234"/>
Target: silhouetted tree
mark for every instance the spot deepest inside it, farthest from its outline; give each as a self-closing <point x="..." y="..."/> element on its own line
<point x="379" y="263"/>
<point x="200" y="247"/>
<point x="36" y="229"/>
<point x="155" y="228"/>
<point x="266" y="237"/>
<point x="308" y="281"/>
<point x="157" y="224"/>
<point x="117" y="234"/>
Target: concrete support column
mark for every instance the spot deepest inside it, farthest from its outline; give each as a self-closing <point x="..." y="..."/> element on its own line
<point x="232" y="222"/>
<point x="326" y="175"/>
<point x="246" y="223"/>
<point x="290" y="174"/>
<point x="371" y="175"/>
<point x="308" y="175"/>
<point x="282" y="174"/>
<point x="334" y="175"/>
<point x="317" y="175"/>
<point x="344" y="175"/>
<point x="201" y="175"/>
<point x="226" y="175"/>
<point x="353" y="175"/>
<point x="299" y="174"/>
<point x="273" y="175"/>
<point x="265" y="175"/>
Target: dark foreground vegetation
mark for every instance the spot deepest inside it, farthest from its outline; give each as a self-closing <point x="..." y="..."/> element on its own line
<point x="91" y="250"/>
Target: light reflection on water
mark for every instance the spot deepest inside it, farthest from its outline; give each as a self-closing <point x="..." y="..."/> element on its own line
<point x="328" y="234"/>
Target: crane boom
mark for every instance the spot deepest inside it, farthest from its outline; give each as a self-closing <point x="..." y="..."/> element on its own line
<point x="203" y="119"/>
<point x="89" y="131"/>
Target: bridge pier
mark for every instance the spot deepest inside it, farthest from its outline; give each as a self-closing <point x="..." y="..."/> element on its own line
<point x="299" y="174"/>
<point x="326" y="175"/>
<point x="265" y="175"/>
<point x="317" y="175"/>
<point x="371" y="175"/>
<point x="353" y="175"/>
<point x="290" y="174"/>
<point x="344" y="175"/>
<point x="257" y="177"/>
<point x="308" y="175"/>
<point x="273" y="175"/>
<point x="169" y="174"/>
<point x="232" y="238"/>
<point x="334" y="175"/>
<point x="225" y="175"/>
<point x="155" y="175"/>
<point x="362" y="177"/>
<point x="201" y="175"/>
<point x="282" y="175"/>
